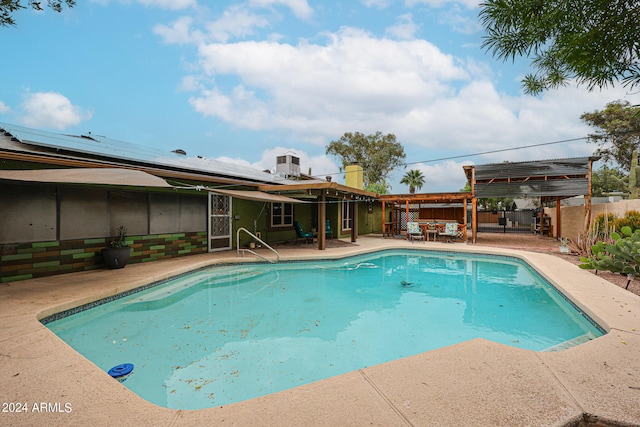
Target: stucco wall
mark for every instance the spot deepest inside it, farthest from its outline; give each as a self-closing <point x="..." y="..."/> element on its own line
<point x="573" y="216"/>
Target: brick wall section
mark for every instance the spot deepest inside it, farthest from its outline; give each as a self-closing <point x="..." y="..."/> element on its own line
<point x="30" y="260"/>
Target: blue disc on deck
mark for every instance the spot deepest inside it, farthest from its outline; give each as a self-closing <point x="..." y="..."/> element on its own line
<point x="121" y="370"/>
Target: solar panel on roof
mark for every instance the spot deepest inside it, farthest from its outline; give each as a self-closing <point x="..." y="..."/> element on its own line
<point x="98" y="145"/>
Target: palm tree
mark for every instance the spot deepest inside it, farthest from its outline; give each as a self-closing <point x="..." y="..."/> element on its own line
<point x="414" y="179"/>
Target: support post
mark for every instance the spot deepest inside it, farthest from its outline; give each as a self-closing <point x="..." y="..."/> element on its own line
<point x="474" y="220"/>
<point x="322" y="220"/>
<point x="464" y="222"/>
<point x="474" y="207"/>
<point x="384" y="226"/>
<point x="558" y="218"/>
<point x="354" y="222"/>
<point x="587" y="199"/>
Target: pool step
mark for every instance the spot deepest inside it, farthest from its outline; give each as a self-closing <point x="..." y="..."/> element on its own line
<point x="203" y="278"/>
<point x="571" y="343"/>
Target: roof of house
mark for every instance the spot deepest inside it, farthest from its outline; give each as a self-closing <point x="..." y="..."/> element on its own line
<point x="98" y="148"/>
<point x="524" y="204"/>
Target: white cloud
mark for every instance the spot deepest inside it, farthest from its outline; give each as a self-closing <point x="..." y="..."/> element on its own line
<point x="4" y="108"/>
<point x="437" y="105"/>
<point x="179" y="32"/>
<point x="324" y="89"/>
<point x="460" y="21"/>
<point x="405" y="29"/>
<point x="51" y="110"/>
<point x="479" y="119"/>
<point x="300" y="8"/>
<point x="378" y="4"/>
<point x="237" y="21"/>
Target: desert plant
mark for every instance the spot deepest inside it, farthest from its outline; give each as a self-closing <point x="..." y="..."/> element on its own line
<point x="584" y="242"/>
<point x="120" y="240"/>
<point x="598" y="232"/>
<point x="623" y="256"/>
<point x="605" y="222"/>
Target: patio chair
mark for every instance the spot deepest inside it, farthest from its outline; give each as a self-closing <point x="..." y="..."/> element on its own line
<point x="414" y="232"/>
<point x="307" y="236"/>
<point x="451" y="232"/>
<point x="328" y="231"/>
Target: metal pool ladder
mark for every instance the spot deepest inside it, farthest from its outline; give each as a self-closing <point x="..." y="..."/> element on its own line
<point x="238" y="249"/>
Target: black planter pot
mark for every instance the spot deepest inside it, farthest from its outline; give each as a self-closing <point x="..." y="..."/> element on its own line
<point x="116" y="257"/>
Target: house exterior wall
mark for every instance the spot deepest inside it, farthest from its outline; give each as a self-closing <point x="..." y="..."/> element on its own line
<point x="33" y="213"/>
<point x="20" y="261"/>
<point x="369" y="218"/>
<point x="51" y="229"/>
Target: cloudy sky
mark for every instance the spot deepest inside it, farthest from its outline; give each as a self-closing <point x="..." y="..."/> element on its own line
<point x="246" y="81"/>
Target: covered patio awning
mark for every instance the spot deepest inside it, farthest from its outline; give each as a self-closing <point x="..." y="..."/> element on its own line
<point x="547" y="179"/>
<point x="258" y="196"/>
<point x="320" y="192"/>
<point x="96" y="176"/>
<point x="448" y="201"/>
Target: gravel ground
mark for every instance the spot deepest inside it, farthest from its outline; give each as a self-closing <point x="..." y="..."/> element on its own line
<point x="551" y="246"/>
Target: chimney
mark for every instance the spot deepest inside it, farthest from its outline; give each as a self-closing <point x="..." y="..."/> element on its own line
<point x="354" y="176"/>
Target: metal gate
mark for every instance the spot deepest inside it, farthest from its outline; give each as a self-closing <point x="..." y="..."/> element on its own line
<point x="520" y="221"/>
<point x="220" y="232"/>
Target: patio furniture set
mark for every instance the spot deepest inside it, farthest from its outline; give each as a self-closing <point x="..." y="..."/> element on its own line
<point x="423" y="230"/>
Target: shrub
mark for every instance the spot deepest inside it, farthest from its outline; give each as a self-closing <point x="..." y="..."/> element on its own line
<point x="631" y="219"/>
<point x="622" y="256"/>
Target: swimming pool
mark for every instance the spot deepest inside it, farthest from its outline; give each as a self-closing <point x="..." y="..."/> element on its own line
<point x="231" y="333"/>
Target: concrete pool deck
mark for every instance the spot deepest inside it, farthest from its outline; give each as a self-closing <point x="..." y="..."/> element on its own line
<point x="473" y="383"/>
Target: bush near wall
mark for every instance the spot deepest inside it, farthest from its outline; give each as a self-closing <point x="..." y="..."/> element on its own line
<point x="40" y="259"/>
<point x="630" y="219"/>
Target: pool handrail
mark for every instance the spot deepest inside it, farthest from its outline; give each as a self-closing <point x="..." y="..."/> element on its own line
<point x="238" y="249"/>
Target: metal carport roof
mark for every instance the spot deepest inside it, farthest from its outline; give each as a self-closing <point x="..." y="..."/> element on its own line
<point x="544" y="178"/>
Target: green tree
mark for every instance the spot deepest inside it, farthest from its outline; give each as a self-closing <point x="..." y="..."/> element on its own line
<point x="8" y="7"/>
<point x="594" y="42"/>
<point x="608" y="180"/>
<point x="377" y="187"/>
<point x="495" y="203"/>
<point x="414" y="179"/>
<point x="377" y="154"/>
<point x="618" y="132"/>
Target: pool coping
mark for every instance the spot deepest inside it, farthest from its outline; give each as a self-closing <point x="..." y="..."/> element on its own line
<point x="475" y="382"/>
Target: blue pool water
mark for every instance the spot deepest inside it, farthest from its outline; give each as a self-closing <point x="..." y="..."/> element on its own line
<point x="231" y="333"/>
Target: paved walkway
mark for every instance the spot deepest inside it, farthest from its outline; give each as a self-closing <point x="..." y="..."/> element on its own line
<point x="475" y="383"/>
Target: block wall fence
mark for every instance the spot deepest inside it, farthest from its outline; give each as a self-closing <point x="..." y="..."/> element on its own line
<point x="572" y="220"/>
